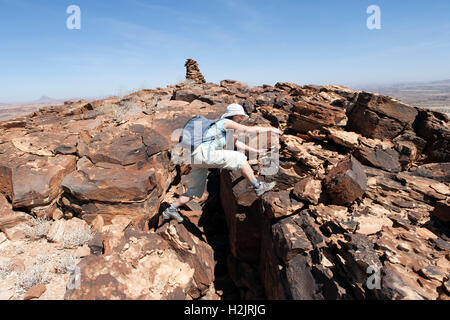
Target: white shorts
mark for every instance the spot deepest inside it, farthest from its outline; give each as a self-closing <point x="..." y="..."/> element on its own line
<point x="204" y="158"/>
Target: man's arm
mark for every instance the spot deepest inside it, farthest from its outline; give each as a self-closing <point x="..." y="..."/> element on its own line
<point x="247" y="129"/>
<point x="242" y="146"/>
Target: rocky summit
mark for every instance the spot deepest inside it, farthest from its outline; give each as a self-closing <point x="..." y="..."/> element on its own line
<point x="361" y="209"/>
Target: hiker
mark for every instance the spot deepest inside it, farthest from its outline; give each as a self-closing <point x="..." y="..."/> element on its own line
<point x="211" y="154"/>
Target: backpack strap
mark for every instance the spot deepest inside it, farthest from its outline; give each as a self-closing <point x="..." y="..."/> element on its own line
<point x="217" y="136"/>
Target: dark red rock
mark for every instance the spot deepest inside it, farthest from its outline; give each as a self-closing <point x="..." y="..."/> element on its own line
<point x="376" y="116"/>
<point x="346" y="182"/>
<point x="387" y="160"/>
<point x="442" y="210"/>
<point x="308" y="116"/>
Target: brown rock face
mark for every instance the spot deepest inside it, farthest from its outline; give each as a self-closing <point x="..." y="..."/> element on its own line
<point x="442" y="211"/>
<point x="332" y="228"/>
<point x="243" y="219"/>
<point x="387" y="160"/>
<point x="193" y="72"/>
<point x="35" y="292"/>
<point x="376" y="116"/>
<point x="30" y="180"/>
<point x="309" y="189"/>
<point x="168" y="265"/>
<point x="346" y="182"/>
<point x="311" y="116"/>
<point x="434" y="128"/>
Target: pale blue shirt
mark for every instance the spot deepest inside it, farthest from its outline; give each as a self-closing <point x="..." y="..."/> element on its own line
<point x="217" y="129"/>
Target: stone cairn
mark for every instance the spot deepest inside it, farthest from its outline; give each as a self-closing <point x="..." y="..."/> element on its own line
<point x="193" y="72"/>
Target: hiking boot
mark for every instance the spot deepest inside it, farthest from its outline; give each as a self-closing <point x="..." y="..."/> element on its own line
<point x="264" y="187"/>
<point x="171" y="213"/>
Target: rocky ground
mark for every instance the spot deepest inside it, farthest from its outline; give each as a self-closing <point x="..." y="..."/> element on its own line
<point x="361" y="208"/>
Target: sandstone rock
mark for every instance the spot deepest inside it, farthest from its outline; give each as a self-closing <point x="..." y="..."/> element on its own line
<point x="398" y="284"/>
<point x="425" y="234"/>
<point x="83" y="251"/>
<point x="346" y="182"/>
<point x="109" y="183"/>
<point x="245" y="276"/>
<point x="434" y="128"/>
<point x="425" y="186"/>
<point x="442" y="210"/>
<point x="436" y="171"/>
<point x="334" y="215"/>
<point x="376" y="116"/>
<point x="243" y="221"/>
<point x="3" y="237"/>
<point x="312" y="116"/>
<point x="35" y="292"/>
<point x="309" y="190"/>
<point x="57" y="214"/>
<point x="97" y="224"/>
<point x="280" y="204"/>
<point x="62" y="230"/>
<point x="383" y="159"/>
<point x="8" y="217"/>
<point x="343" y="138"/>
<point x="187" y="95"/>
<point x="168" y="265"/>
<point x="32" y="181"/>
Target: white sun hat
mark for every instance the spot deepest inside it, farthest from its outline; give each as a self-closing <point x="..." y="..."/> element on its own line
<point x="235" y="110"/>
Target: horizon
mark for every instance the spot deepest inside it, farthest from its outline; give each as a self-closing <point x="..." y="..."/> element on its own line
<point x="137" y="44"/>
<point x="61" y="99"/>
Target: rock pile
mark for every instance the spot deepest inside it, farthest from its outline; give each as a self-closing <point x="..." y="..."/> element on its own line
<point x="361" y="208"/>
<point x="193" y="72"/>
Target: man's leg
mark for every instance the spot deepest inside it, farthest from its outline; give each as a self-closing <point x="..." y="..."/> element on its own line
<point x="181" y="201"/>
<point x="260" y="187"/>
<point x="237" y="161"/>
<point x="196" y="187"/>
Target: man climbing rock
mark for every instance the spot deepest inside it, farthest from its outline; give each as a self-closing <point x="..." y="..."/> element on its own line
<point x="211" y="153"/>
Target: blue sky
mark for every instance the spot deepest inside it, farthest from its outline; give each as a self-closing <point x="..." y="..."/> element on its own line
<point x="126" y="45"/>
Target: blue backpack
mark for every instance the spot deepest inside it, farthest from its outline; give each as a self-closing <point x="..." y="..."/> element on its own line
<point x="194" y="132"/>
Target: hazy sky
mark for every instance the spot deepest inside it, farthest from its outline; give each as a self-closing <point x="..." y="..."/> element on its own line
<point x="126" y="45"/>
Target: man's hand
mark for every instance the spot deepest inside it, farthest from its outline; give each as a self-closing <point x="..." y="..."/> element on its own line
<point x="277" y="131"/>
<point x="261" y="152"/>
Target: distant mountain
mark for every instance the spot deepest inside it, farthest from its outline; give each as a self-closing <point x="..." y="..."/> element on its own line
<point x="44" y="99"/>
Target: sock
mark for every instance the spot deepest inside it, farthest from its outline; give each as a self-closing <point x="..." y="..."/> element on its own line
<point x="255" y="183"/>
<point x="173" y="207"/>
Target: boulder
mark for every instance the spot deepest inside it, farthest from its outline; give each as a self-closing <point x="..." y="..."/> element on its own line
<point x="311" y="116"/>
<point x="29" y="180"/>
<point x="308" y="189"/>
<point x="280" y="204"/>
<point x="442" y="210"/>
<point x="168" y="265"/>
<point x="243" y="220"/>
<point x="387" y="160"/>
<point x="346" y="182"/>
<point x="436" y="171"/>
<point x="377" y="116"/>
<point x="64" y="230"/>
<point x="35" y="292"/>
<point x="434" y="128"/>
